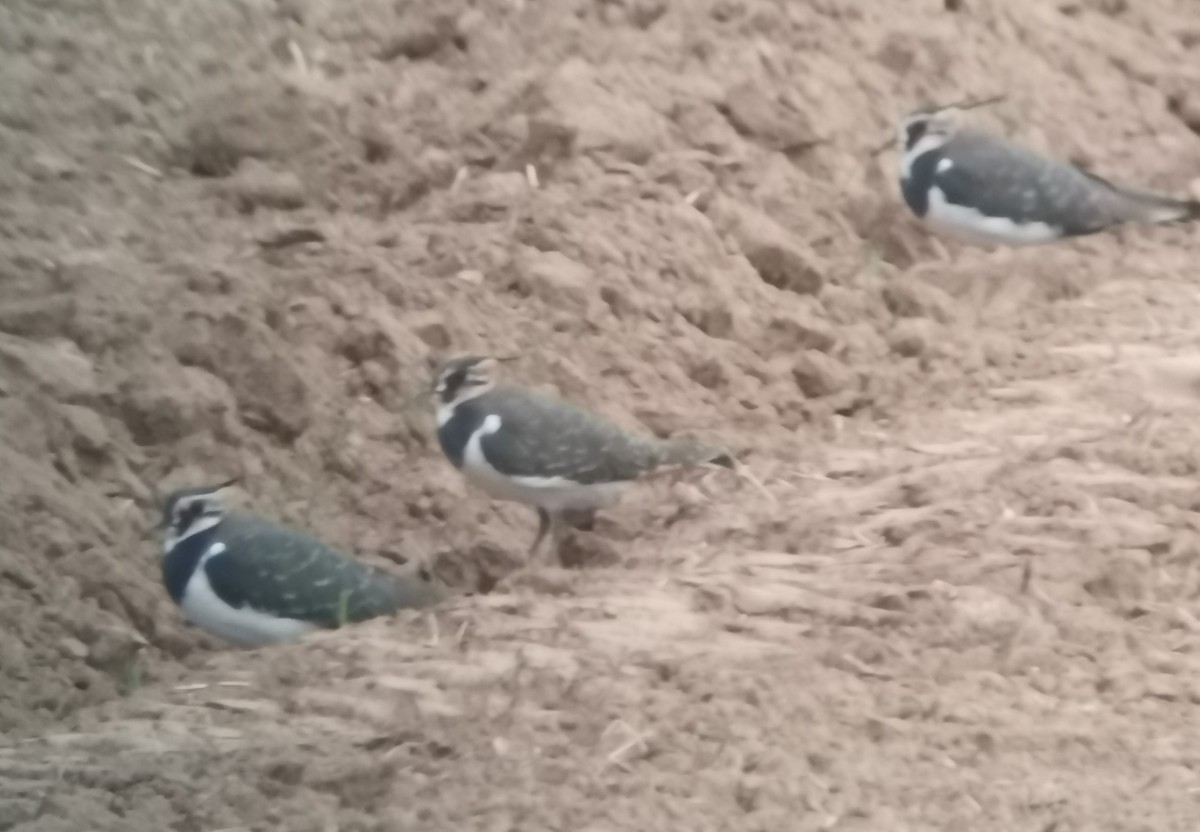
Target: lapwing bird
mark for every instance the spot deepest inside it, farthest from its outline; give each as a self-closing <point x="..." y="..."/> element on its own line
<point x="523" y="446"/>
<point x="253" y="582"/>
<point x="983" y="189"/>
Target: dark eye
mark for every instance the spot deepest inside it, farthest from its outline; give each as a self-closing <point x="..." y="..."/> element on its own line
<point x="916" y="131"/>
<point x="452" y="383"/>
<point x="188" y="514"/>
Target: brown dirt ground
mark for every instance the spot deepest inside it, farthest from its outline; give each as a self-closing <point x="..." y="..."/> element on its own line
<point x="234" y="235"/>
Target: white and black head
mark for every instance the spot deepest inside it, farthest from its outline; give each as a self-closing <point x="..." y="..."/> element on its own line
<point x="931" y="127"/>
<point x="463" y="378"/>
<point x="927" y="130"/>
<point x="189" y="511"/>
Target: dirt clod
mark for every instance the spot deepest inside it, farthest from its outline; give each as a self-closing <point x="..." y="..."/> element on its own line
<point x="577" y="97"/>
<point x="908" y="297"/>
<point x="913" y="337"/>
<point x="778" y="257"/>
<point x="555" y="279"/>
<point x="418" y="35"/>
<point x="752" y="111"/>
<point x="263" y="118"/>
<point x="257" y="185"/>
<point x="818" y="374"/>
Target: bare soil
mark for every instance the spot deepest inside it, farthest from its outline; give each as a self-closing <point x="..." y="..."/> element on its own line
<point x="234" y="236"/>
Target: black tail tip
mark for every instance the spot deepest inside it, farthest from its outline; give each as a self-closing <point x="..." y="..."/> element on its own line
<point x="1193" y="209"/>
<point x="724" y="459"/>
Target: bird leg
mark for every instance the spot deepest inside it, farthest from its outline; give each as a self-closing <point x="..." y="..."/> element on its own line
<point x="558" y="533"/>
<point x="553" y="523"/>
<point x="544" y="524"/>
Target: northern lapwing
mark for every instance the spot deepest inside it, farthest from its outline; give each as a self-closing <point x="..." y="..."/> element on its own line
<point x="520" y="445"/>
<point x="986" y="190"/>
<point x="253" y="582"/>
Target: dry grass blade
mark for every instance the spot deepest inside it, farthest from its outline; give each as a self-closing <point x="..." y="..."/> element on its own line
<point x="743" y="471"/>
<point x="138" y="164"/>
<point x="298" y="57"/>
<point x="636" y="741"/>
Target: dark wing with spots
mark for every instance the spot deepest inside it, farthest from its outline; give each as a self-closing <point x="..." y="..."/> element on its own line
<point x="286" y="572"/>
<point x="1004" y="179"/>
<point x="544" y="436"/>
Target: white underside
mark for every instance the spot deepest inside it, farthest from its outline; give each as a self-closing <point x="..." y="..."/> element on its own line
<point x="553" y="494"/>
<point x="970" y="226"/>
<point x="242" y="626"/>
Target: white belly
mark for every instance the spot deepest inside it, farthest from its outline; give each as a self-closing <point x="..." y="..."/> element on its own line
<point x="551" y="493"/>
<point x="970" y="226"/>
<point x="242" y="626"/>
